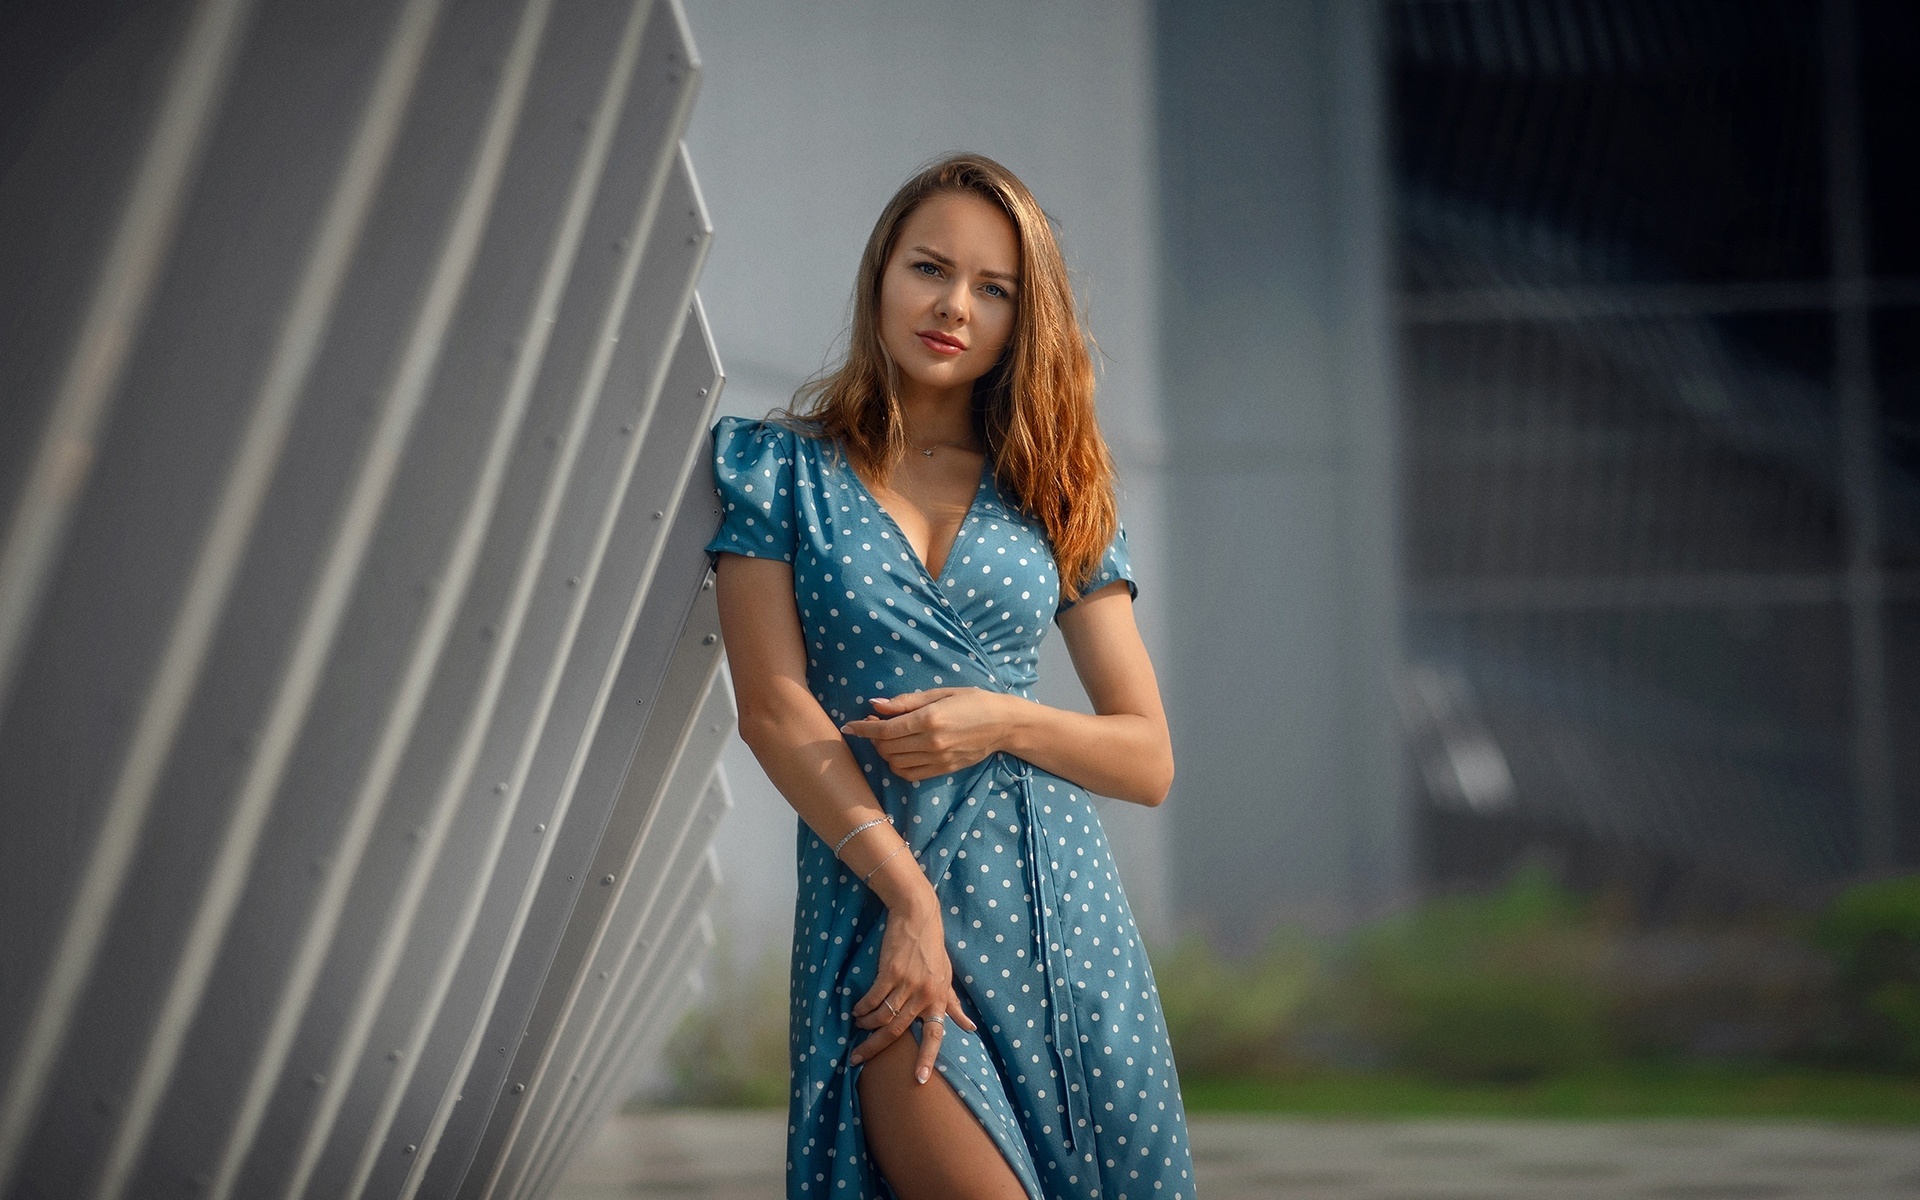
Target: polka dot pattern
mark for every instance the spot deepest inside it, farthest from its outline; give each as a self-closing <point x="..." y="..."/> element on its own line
<point x="1070" y="1071"/>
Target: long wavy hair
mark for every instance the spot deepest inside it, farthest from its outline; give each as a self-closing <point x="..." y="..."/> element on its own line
<point x="1033" y="409"/>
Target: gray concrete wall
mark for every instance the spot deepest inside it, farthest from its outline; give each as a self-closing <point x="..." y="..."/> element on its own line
<point x="1279" y="423"/>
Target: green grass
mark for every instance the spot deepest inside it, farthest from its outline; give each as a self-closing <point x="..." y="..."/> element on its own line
<point x="1615" y="1092"/>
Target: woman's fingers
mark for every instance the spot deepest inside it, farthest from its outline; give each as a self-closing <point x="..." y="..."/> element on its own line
<point x="876" y="1041"/>
<point x="895" y="1016"/>
<point x="884" y="730"/>
<point x="877" y="996"/>
<point x="885" y="1030"/>
<point x="886" y="1012"/>
<point x="886" y="739"/>
<point x="894" y="717"/>
<point x="933" y="1030"/>
<point x="908" y="701"/>
<point x="909" y="761"/>
<point x="958" y="1013"/>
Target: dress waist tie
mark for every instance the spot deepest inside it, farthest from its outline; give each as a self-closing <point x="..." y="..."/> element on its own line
<point x="1064" y="1037"/>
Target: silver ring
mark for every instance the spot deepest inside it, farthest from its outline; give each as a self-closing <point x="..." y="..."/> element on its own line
<point x="890" y="1007"/>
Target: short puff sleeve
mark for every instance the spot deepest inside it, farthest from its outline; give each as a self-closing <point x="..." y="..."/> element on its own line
<point x="753" y="476"/>
<point x="1114" y="564"/>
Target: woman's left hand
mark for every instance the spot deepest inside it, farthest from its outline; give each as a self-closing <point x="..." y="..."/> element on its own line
<point x="923" y="735"/>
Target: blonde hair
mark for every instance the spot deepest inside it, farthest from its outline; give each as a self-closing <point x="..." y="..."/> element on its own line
<point x="1033" y="409"/>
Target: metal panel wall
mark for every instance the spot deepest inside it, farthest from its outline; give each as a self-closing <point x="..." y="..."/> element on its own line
<point x="351" y="608"/>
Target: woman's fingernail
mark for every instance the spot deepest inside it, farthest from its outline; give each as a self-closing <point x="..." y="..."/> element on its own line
<point x="921" y="1075"/>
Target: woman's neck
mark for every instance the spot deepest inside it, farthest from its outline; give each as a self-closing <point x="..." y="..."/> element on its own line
<point x="941" y="419"/>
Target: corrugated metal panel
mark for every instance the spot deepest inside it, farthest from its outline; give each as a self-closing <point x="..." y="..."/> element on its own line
<point x="346" y="576"/>
<point x="566" y="920"/>
<point x="653" y="888"/>
<point x="659" y="998"/>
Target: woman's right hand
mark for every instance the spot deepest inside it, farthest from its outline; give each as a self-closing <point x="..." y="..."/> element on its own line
<point x="914" y="981"/>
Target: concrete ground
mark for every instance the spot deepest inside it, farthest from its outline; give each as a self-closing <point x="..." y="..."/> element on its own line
<point x="733" y="1156"/>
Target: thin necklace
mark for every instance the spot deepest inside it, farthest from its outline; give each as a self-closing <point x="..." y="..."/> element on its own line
<point x="928" y="450"/>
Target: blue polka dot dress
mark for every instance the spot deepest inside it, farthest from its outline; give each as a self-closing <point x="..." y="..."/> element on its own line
<point x="1070" y="1072"/>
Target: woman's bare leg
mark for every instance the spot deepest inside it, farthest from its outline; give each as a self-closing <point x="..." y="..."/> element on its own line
<point x="924" y="1138"/>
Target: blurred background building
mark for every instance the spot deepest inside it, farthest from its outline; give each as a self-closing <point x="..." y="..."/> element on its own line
<point x="1655" y="276"/>
<point x="1515" y="402"/>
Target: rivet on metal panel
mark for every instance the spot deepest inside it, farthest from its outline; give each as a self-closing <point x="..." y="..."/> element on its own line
<point x="657" y="514"/>
<point x="518" y="1087"/>
<point x="706" y="585"/>
<point x="603" y="974"/>
<point x="501" y="787"/>
<point x="393" y="1056"/>
<point x="703" y="391"/>
<point x="709" y="640"/>
<point x="316" y="1080"/>
<point x="540" y="828"/>
<point x="693" y="241"/>
<point x="410" y="1148"/>
<point x="627" y="428"/>
<point x="606" y="880"/>
<point x="573" y="581"/>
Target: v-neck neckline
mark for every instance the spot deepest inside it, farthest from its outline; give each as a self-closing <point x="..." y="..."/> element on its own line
<point x="966" y="518"/>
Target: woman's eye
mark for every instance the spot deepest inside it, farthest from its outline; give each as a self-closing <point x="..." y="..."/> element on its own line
<point x="996" y="291"/>
<point x="926" y="268"/>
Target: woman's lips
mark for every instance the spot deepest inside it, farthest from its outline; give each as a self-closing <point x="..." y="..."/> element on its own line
<point x="941" y="345"/>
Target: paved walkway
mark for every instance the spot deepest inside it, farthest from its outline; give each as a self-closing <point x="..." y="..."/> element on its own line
<point x="734" y="1156"/>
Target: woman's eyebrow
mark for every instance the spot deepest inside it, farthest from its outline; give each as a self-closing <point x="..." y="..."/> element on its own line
<point x="944" y="261"/>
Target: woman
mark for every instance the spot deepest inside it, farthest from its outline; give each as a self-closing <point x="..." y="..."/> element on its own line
<point x="972" y="1012"/>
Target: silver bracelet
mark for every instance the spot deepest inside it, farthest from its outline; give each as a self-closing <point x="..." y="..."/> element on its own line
<point x="883" y="862"/>
<point x="856" y="829"/>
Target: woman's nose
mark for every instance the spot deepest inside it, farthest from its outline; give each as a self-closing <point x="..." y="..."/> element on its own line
<point x="953" y="303"/>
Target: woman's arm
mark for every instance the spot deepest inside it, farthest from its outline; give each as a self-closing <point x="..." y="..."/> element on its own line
<point x="807" y="759"/>
<point x="1122" y="749"/>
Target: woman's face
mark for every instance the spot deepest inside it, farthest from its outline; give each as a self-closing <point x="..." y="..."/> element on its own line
<point x="948" y="294"/>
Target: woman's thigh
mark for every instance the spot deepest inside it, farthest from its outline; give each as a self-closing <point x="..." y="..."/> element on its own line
<point x="924" y="1138"/>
